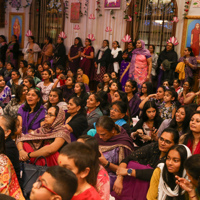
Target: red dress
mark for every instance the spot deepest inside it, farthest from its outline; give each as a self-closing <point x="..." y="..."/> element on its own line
<point x="89" y="194"/>
<point x="195" y="41"/>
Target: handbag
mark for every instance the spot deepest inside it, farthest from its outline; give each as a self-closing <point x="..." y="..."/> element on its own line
<point x="31" y="172"/>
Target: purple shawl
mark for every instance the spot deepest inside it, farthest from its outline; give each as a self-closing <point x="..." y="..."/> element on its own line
<point x="121" y="139"/>
<point x="135" y="52"/>
<point x="28" y="118"/>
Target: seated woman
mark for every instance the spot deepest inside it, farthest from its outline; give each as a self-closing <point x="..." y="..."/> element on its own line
<point x="146" y="90"/>
<point x="163" y="184"/>
<point x="131" y="90"/>
<point x="55" y="99"/>
<point x="29" y="82"/>
<point x="118" y="115"/>
<point x="185" y="97"/>
<point x="135" y="171"/>
<point x="7" y="72"/>
<point x="176" y="86"/>
<point x="5" y="92"/>
<point x="8" y="178"/>
<point x="191" y="186"/>
<point x="76" y="121"/>
<point x="103" y="182"/>
<point x="23" y="68"/>
<point x="13" y="106"/>
<point x="32" y="113"/>
<point x="106" y="80"/>
<point x="45" y="141"/>
<point x="14" y="81"/>
<point x="144" y="132"/>
<point x="191" y="139"/>
<point x="180" y="122"/>
<point x="119" y="96"/>
<point x="158" y="97"/>
<point x="39" y="70"/>
<point x="93" y="108"/>
<point x="79" y="78"/>
<point x="79" y="91"/>
<point x="114" y="143"/>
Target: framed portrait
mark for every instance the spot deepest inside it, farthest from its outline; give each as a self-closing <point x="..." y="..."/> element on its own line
<point x="112" y="4"/>
<point x="191" y="34"/>
<point x="16" y="27"/>
<point x="75" y="13"/>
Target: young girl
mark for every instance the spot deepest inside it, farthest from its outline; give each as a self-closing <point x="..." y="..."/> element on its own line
<point x="166" y="83"/>
<point x="163" y="183"/>
<point x="168" y="107"/>
<point x="46" y="85"/>
<point x="176" y="86"/>
<point x="113" y="87"/>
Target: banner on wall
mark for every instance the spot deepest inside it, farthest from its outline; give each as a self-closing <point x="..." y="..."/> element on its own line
<point x="112" y="4"/>
<point x="196" y="3"/>
<point x="75" y="13"/>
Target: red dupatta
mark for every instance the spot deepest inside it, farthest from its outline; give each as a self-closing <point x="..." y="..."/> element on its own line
<point x="190" y="145"/>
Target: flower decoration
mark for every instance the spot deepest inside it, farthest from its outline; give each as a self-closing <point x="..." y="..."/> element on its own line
<point x="129" y="19"/>
<point x="91" y="37"/>
<point x="98" y="9"/>
<point x="173" y="40"/>
<point x="108" y="29"/>
<point x="29" y="33"/>
<point x="76" y="27"/>
<point x="91" y="16"/>
<point x="175" y="19"/>
<point x="186" y="7"/>
<point x="17" y="4"/>
<point x="62" y="35"/>
<point x="126" y="38"/>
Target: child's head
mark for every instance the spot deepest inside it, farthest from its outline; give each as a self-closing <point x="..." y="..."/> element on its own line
<point x="166" y="83"/>
<point x="47" y="65"/>
<point x="56" y="183"/>
<point x="79" y="78"/>
<point x="113" y="86"/>
<point x="170" y="95"/>
<point x="80" y="159"/>
<point x="31" y="71"/>
<point x="176" y="83"/>
<point x="9" y="66"/>
<point x="80" y="71"/>
<point x="114" y="75"/>
<point x="70" y="73"/>
<point x="59" y="70"/>
<point x="46" y="75"/>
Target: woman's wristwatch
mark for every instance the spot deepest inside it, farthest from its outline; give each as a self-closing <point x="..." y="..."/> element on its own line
<point x="29" y="154"/>
<point x="129" y="171"/>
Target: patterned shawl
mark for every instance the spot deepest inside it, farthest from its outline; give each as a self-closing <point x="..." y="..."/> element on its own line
<point x="56" y="130"/>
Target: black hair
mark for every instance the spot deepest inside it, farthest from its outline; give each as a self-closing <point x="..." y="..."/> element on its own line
<point x="17" y="72"/>
<point x="61" y="68"/>
<point x="106" y="42"/>
<point x="39" y="103"/>
<point x="49" y="72"/>
<point x="122" y="95"/>
<point x="149" y="86"/>
<point x="25" y="63"/>
<point x="15" y="37"/>
<point x="117" y="43"/>
<point x="38" y="66"/>
<point x="151" y="45"/>
<point x="90" y="41"/>
<point x="31" y="81"/>
<point x="47" y="63"/>
<point x="3" y="37"/>
<point x="60" y="96"/>
<point x="121" y="105"/>
<point x="110" y="84"/>
<point x="169" y="178"/>
<point x="190" y="81"/>
<point x="186" y="121"/>
<point x="10" y="64"/>
<point x="56" y="111"/>
<point x="163" y="87"/>
<point x="2" y="141"/>
<point x="31" y="65"/>
<point x="9" y="123"/>
<point x="32" y="37"/>
<point x="133" y="44"/>
<point x="82" y="85"/>
<point x="80" y="44"/>
<point x="49" y="39"/>
<point x="115" y="75"/>
<point x="174" y="132"/>
<point x="107" y="123"/>
<point x="104" y="104"/>
<point x="134" y="85"/>
<point x="172" y="45"/>
<point x="100" y="85"/>
<point x="166" y="80"/>
<point x="5" y="197"/>
<point x="66" y="182"/>
<point x="18" y="94"/>
<point x="73" y="79"/>
<point x="83" y="156"/>
<point x="192" y="166"/>
<point x="176" y="79"/>
<point x="97" y="98"/>
<point x="79" y="102"/>
<point x="32" y="70"/>
<point x="173" y="93"/>
<point x="191" y="51"/>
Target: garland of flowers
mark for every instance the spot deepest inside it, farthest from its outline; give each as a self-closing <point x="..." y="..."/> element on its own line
<point x="66" y="5"/>
<point x="18" y="5"/>
<point x="186" y="8"/>
<point x="86" y="7"/>
<point x="126" y="10"/>
<point x="98" y="9"/>
<point x="112" y="13"/>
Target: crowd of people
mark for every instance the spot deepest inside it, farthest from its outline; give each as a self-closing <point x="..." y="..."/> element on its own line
<point x="119" y="125"/>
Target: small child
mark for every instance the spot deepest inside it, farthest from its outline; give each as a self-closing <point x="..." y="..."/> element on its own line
<point x="168" y="107"/>
<point x="166" y="83"/>
<point x="113" y="87"/>
<point x="60" y="70"/>
<point x="80" y="159"/>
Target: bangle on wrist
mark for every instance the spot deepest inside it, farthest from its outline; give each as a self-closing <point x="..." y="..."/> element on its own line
<point x="29" y="154"/>
<point x="107" y="165"/>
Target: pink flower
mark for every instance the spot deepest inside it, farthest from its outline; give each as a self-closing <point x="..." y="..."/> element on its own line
<point x="126" y="38"/>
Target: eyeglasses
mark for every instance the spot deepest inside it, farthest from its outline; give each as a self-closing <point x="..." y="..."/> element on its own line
<point x="49" y="115"/>
<point x="114" y="110"/>
<point x="40" y="184"/>
<point x="165" y="141"/>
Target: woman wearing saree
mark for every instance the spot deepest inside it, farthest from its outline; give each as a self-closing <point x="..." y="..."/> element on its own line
<point x="87" y="55"/>
<point x="74" y="55"/>
<point x="195" y="39"/>
<point x="141" y="64"/>
<point x="114" y="143"/>
<point x="47" y="50"/>
<point x="32" y="113"/>
<point x="45" y="141"/>
<point x="13" y="51"/>
<point x="125" y="64"/>
<point x="5" y="91"/>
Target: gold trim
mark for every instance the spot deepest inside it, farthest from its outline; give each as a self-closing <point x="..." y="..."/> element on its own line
<point x="127" y="68"/>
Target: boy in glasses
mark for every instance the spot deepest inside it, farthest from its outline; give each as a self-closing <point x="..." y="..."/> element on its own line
<point x="56" y="183"/>
<point x="80" y="158"/>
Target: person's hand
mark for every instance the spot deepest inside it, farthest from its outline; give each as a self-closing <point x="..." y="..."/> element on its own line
<point x="121" y="171"/>
<point x="82" y="54"/>
<point x="186" y="62"/>
<point x="118" y="185"/>
<point x="152" y="96"/>
<point x="148" y="77"/>
<point x="95" y="64"/>
<point x="154" y="134"/>
<point x="139" y="132"/>
<point x="70" y="59"/>
<point x="23" y="155"/>
<point x="184" y="184"/>
<point x="102" y="159"/>
<point x="61" y="76"/>
<point x="197" y="93"/>
<point x="146" y="138"/>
